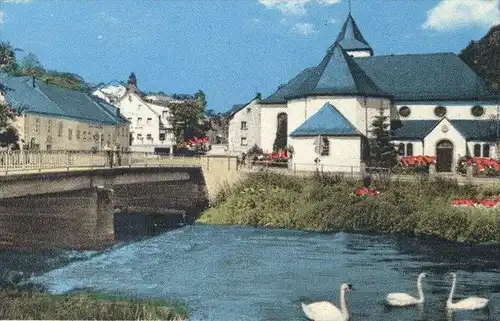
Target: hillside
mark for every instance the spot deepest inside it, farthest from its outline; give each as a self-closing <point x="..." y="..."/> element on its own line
<point x="483" y="57"/>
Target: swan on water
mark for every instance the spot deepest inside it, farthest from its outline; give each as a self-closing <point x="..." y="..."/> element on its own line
<point x="326" y="311"/>
<point x="471" y="303"/>
<point x="403" y="299"/>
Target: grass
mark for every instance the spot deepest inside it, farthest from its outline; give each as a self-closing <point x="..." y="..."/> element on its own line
<point x="37" y="305"/>
<point x="325" y="202"/>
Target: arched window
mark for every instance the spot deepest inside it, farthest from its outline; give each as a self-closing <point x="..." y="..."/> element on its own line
<point x="486" y="150"/>
<point x="280" y="140"/>
<point x="325" y="146"/>
<point x="401" y="149"/>
<point x="477" y="150"/>
<point x="409" y="149"/>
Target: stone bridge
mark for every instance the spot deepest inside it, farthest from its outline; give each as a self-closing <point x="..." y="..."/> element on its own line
<point x="76" y="208"/>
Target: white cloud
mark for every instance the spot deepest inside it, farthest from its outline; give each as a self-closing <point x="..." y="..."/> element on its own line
<point x="455" y="14"/>
<point x="294" y="7"/>
<point x="17" y="1"/>
<point x="304" y="28"/>
<point x="1" y="17"/>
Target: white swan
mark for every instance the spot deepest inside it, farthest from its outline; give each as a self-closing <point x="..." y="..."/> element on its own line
<point x="403" y="299"/>
<point x="325" y="311"/>
<point x="471" y="303"/>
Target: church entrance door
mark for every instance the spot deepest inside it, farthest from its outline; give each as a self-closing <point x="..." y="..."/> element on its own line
<point x="444" y="156"/>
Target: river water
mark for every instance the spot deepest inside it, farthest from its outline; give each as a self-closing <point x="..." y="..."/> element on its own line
<point x="243" y="273"/>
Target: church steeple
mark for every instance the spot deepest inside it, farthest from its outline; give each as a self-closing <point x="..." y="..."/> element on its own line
<point x="351" y="39"/>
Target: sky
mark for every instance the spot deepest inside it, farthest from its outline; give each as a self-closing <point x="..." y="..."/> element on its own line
<point x="230" y="49"/>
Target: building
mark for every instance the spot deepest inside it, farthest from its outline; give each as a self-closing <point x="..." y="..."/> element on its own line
<point x="245" y="127"/>
<point x="54" y="118"/>
<point x="436" y="104"/>
<point x="150" y="130"/>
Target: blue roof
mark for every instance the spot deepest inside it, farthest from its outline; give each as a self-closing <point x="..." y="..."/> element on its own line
<point x="481" y="130"/>
<point x="350" y="37"/>
<point x="419" y="77"/>
<point x="327" y="121"/>
<point x="54" y="101"/>
<point x="338" y="74"/>
<point x="290" y="88"/>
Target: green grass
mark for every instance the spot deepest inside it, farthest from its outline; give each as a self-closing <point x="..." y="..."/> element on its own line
<point x="326" y="203"/>
<point x="36" y="305"/>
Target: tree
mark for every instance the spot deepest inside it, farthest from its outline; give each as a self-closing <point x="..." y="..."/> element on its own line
<point x="281" y="132"/>
<point x="30" y="65"/>
<point x="186" y="118"/>
<point x="64" y="79"/>
<point x="381" y="150"/>
<point x="8" y="133"/>
<point x="201" y="98"/>
<point x="7" y="57"/>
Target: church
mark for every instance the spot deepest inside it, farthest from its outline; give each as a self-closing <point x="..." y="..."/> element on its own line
<point x="437" y="106"/>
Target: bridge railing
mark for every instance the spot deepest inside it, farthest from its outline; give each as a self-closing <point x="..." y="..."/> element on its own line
<point x="43" y="160"/>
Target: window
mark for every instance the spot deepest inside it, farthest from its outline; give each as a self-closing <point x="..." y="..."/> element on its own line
<point x="84" y="135"/>
<point x="244" y="125"/>
<point x="477" y="150"/>
<point x="243" y="141"/>
<point x="130" y="98"/>
<point x="139" y="136"/>
<point x="440" y="111"/>
<point x="139" y="121"/>
<point x="162" y="136"/>
<point x="401" y="149"/>
<point x="404" y="111"/>
<point x="123" y="132"/>
<point x="325" y="146"/>
<point x="60" y="129"/>
<point x="70" y="133"/>
<point x="249" y="110"/>
<point x="149" y="137"/>
<point x="164" y="114"/>
<point x="37" y="125"/>
<point x="77" y="134"/>
<point x="129" y="119"/>
<point x="477" y="111"/>
<point x="49" y="126"/>
<point x="148" y="121"/>
<point x="409" y="149"/>
<point x="486" y="150"/>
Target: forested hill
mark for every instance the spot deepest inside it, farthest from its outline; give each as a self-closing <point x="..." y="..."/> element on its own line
<point x="483" y="57"/>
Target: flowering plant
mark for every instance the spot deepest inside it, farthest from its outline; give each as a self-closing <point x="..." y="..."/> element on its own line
<point x="407" y="161"/>
<point x="467" y="202"/>
<point x="362" y="191"/>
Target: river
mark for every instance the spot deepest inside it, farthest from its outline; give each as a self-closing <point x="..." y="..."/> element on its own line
<point x="244" y="273"/>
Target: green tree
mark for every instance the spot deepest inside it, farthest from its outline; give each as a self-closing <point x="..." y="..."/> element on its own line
<point x="8" y="61"/>
<point x="281" y="132"/>
<point x="201" y="98"/>
<point x="30" y="65"/>
<point x="64" y="79"/>
<point x="382" y="151"/>
<point x="186" y="118"/>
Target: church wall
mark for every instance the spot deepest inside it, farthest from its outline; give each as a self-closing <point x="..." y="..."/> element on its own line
<point x="493" y="148"/>
<point x="240" y="139"/>
<point x="269" y="124"/>
<point x="345" y="154"/>
<point x="454" y="110"/>
<point x="442" y="131"/>
<point x="418" y="146"/>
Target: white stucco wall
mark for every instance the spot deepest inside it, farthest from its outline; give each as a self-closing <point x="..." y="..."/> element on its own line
<point x="445" y="131"/>
<point x="345" y="154"/>
<point x="269" y="124"/>
<point x="454" y="110"/>
<point x="418" y="146"/>
<point x="493" y="148"/>
<point x="251" y="114"/>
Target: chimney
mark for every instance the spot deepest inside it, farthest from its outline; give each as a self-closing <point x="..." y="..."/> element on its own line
<point x="118" y="111"/>
<point x="33" y="82"/>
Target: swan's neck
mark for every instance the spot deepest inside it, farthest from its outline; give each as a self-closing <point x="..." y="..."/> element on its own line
<point x="343" y="305"/>
<point x="452" y="291"/>
<point x="420" y="291"/>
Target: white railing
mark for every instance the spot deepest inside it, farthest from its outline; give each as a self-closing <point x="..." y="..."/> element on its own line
<point x="44" y="160"/>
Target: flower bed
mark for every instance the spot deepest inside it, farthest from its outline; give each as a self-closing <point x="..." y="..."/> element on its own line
<point x="467" y="202"/>
<point x="414" y="164"/>
<point x="481" y="166"/>
<point x="362" y="191"/>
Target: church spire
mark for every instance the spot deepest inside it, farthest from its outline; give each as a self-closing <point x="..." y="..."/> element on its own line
<point x="351" y="39"/>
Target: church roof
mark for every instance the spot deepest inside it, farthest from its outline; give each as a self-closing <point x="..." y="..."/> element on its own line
<point x="327" y="121"/>
<point x="279" y="97"/>
<point x="351" y="38"/>
<point x="481" y="130"/>
<point x="420" y="77"/>
<point x="338" y="74"/>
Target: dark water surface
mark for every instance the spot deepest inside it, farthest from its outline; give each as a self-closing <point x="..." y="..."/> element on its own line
<point x="241" y="273"/>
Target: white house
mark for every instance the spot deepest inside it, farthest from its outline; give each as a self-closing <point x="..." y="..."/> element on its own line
<point x="436" y="104"/>
<point x="244" y="127"/>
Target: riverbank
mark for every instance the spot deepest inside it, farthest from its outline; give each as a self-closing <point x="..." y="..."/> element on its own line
<point x="327" y="203"/>
<point x="37" y="305"/>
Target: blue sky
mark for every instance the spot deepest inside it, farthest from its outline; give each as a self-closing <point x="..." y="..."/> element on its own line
<point x="230" y="49"/>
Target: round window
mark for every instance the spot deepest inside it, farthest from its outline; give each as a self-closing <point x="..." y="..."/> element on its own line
<point x="404" y="111"/>
<point x="440" y="111"/>
<point x="477" y="111"/>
